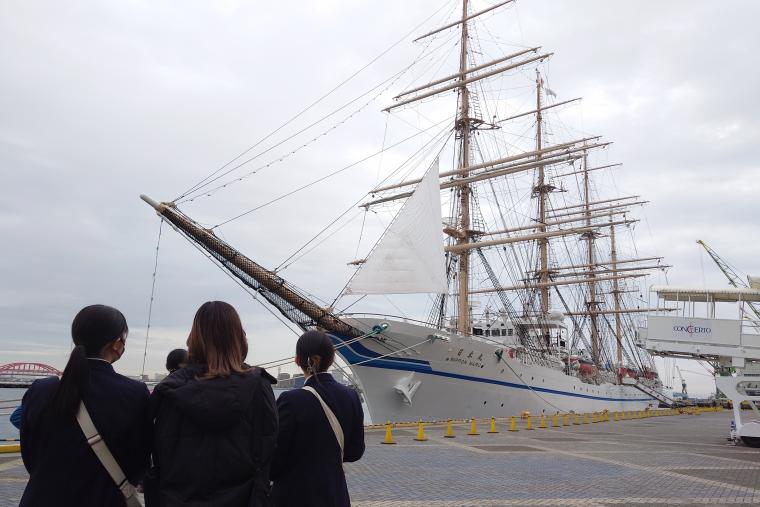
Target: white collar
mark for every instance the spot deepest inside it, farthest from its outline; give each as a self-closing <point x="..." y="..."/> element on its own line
<point x="98" y="359"/>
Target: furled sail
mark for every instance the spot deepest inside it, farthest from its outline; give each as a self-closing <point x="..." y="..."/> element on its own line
<point x="409" y="257"/>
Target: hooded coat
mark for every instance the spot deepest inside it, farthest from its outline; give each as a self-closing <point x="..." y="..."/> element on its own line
<point x="213" y="439"/>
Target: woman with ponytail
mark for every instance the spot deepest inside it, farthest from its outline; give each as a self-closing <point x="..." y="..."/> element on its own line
<point x="321" y="426"/>
<point x="63" y="469"/>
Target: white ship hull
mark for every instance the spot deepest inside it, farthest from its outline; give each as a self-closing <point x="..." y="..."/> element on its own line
<point x="459" y="377"/>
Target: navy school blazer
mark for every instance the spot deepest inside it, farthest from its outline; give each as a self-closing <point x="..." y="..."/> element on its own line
<point x="63" y="469"/>
<point x="307" y="470"/>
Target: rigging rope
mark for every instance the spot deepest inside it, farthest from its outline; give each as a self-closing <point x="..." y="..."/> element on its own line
<point x="285" y="360"/>
<point x="207" y="180"/>
<point x="284" y="264"/>
<point x="245" y="288"/>
<point x="323" y="178"/>
<point x="152" y="295"/>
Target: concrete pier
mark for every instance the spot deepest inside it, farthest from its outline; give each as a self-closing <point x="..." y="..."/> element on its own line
<point x="674" y="460"/>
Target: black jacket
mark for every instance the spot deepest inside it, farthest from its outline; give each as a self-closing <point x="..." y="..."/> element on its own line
<point x="213" y="439"/>
<point x="307" y="470"/>
<point x="63" y="470"/>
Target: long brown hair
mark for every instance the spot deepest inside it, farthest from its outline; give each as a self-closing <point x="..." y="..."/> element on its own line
<point x="217" y="340"/>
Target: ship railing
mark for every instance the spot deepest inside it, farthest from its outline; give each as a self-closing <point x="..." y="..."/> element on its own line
<point x="383" y="316"/>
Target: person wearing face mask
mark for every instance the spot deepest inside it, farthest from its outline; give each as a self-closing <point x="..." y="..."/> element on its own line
<point x="63" y="469"/>
<point x="321" y="427"/>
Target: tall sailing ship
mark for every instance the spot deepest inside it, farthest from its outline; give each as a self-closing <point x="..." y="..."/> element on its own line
<point x="528" y="304"/>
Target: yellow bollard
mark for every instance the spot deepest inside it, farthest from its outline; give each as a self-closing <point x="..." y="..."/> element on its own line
<point x="420" y="432"/>
<point x="594" y="417"/>
<point x="585" y="417"/>
<point x="530" y="423"/>
<point x="492" y="429"/>
<point x="566" y="420"/>
<point x="542" y="424"/>
<point x="512" y="423"/>
<point x="577" y="419"/>
<point x="555" y="421"/>
<point x="615" y="416"/>
<point x="388" y="436"/>
<point x="473" y="428"/>
<point x="449" y="430"/>
<point x="8" y="448"/>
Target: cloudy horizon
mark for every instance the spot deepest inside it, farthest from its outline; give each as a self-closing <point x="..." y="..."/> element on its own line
<point x="103" y="101"/>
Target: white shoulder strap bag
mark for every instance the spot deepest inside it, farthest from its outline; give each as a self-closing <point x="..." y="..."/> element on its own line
<point x="334" y="423"/>
<point x="103" y="453"/>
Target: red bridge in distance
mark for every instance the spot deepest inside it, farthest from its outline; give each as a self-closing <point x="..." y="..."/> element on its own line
<point x="23" y="374"/>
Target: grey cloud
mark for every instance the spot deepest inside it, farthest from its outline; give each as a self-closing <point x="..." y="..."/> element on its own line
<point x="100" y="102"/>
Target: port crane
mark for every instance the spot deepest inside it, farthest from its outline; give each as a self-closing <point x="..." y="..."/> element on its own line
<point x="735" y="280"/>
<point x="684" y="393"/>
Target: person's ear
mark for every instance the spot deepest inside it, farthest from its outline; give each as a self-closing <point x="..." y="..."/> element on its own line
<point x="118" y="346"/>
<point x="298" y="362"/>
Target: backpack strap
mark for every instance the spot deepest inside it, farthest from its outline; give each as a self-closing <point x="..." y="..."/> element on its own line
<point x="103" y="453"/>
<point x="334" y="423"/>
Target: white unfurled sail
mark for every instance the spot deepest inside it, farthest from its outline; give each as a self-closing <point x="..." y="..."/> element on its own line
<point x="409" y="257"/>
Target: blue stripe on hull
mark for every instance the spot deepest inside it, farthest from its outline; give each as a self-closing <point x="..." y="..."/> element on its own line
<point x="364" y="354"/>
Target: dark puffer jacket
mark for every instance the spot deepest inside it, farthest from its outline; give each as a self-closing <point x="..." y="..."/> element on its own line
<point x="213" y="439"/>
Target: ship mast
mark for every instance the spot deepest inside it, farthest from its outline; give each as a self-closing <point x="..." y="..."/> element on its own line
<point x="463" y="132"/>
<point x="541" y="190"/>
<point x="616" y="297"/>
<point x="592" y="305"/>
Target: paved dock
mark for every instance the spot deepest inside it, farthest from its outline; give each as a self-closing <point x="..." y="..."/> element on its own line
<point x="676" y="460"/>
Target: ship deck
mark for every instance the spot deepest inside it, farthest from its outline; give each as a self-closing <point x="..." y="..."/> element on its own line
<point x="677" y="460"/>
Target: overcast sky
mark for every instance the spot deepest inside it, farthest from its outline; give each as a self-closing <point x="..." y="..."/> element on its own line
<point x="102" y="101"/>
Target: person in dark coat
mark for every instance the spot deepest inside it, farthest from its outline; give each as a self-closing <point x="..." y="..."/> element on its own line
<point x="63" y="469"/>
<point x="215" y="421"/>
<point x="175" y="360"/>
<point x="307" y="468"/>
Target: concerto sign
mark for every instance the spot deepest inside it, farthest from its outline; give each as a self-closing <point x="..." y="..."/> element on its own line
<point x="693" y="330"/>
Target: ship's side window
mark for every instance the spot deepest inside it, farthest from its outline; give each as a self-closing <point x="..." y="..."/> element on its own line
<point x="510" y="331"/>
<point x="477" y="331"/>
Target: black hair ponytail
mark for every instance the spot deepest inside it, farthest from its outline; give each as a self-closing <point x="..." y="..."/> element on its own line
<point x="93" y="328"/>
<point x="315" y="352"/>
<point x="74" y="382"/>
